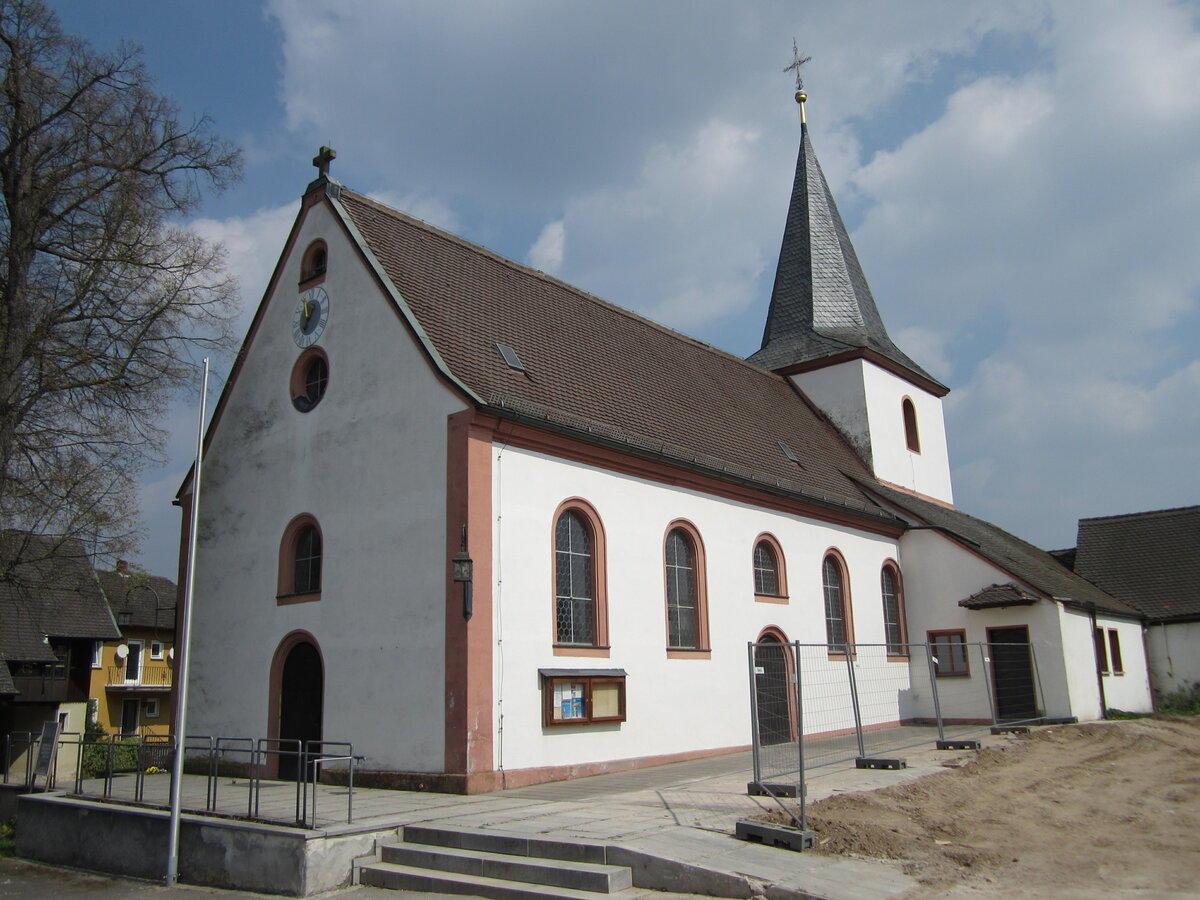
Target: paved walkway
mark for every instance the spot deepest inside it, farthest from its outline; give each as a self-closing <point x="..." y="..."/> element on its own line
<point x="684" y="812"/>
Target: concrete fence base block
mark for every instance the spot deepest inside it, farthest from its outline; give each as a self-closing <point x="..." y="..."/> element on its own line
<point x="958" y="745"/>
<point x="771" y="789"/>
<point x="774" y="835"/>
<point x="880" y="762"/>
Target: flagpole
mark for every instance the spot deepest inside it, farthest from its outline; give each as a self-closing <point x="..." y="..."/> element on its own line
<point x="184" y="639"/>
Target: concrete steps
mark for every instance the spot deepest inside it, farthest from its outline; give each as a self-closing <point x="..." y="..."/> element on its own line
<point x="496" y="865"/>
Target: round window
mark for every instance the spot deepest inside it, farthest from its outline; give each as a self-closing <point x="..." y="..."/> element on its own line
<point x="310" y="378"/>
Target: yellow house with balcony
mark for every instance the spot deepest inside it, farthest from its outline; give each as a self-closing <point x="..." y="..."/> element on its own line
<point x="133" y="675"/>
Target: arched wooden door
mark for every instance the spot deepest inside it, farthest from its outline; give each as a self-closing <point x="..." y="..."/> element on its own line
<point x="771" y="691"/>
<point x="301" y="702"/>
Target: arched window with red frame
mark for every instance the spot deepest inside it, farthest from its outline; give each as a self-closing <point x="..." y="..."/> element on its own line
<point x="770" y="570"/>
<point x="891" y="589"/>
<point x="686" y="589"/>
<point x="580" y="595"/>
<point x="835" y="588"/>
<point x="301" y="560"/>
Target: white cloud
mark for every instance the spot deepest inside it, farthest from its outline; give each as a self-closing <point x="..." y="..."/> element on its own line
<point x="252" y="244"/>
<point x="547" y="251"/>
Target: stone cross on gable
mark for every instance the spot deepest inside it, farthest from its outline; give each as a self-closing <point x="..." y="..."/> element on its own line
<point x="324" y="157"/>
<point x="797" y="62"/>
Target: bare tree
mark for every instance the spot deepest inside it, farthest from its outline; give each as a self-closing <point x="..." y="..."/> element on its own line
<point x="102" y="291"/>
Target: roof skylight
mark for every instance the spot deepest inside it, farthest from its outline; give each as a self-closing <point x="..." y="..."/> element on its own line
<point x="509" y="355"/>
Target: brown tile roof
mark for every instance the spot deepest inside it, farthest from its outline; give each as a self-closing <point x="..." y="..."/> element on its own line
<point x="998" y="596"/>
<point x="1151" y="560"/>
<point x="602" y="372"/>
<point x="1030" y="564"/>
<point x="56" y="595"/>
<point x="149" y="599"/>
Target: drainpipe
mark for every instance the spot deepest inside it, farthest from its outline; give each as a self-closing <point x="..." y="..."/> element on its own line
<point x="1091" y="608"/>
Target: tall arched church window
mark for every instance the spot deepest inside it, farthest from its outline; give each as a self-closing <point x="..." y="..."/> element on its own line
<point x="893" y="611"/>
<point x="301" y="553"/>
<point x="835" y="590"/>
<point x="911" y="436"/>
<point x="687" y="618"/>
<point x="580" y="604"/>
<point x="575" y="611"/>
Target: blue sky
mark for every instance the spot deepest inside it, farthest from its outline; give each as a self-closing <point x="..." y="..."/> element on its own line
<point x="1021" y="181"/>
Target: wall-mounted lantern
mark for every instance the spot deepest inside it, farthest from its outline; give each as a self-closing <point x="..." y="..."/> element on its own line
<point x="461" y="569"/>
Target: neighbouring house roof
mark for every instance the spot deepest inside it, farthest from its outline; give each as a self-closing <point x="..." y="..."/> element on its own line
<point x="148" y="599"/>
<point x="1150" y="560"/>
<point x="1027" y="563"/>
<point x="54" y="595"/>
<point x="996" y="596"/>
<point x="821" y="305"/>
<point x="7" y="687"/>
<point x="600" y="372"/>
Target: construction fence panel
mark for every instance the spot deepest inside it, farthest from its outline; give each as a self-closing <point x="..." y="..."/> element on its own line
<point x="897" y="700"/>
<point x="775" y="713"/>
<point x="829" y="720"/>
<point x="821" y="704"/>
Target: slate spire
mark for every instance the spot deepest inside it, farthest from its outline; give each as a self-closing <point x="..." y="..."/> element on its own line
<point x="821" y="305"/>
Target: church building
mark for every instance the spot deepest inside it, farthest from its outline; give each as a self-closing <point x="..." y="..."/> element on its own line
<point x="494" y="530"/>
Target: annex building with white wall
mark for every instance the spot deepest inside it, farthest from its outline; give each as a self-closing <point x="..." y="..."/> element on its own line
<point x="493" y="530"/>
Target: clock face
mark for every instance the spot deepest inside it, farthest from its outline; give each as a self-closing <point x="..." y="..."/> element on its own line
<point x="311" y="316"/>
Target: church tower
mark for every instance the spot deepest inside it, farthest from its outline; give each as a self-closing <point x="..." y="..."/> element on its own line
<point x="825" y="333"/>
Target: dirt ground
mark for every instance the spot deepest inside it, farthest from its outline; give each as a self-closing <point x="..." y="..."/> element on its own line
<point x="1071" y="811"/>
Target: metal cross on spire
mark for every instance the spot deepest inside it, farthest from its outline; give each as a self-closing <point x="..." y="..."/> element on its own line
<point x="797" y="62"/>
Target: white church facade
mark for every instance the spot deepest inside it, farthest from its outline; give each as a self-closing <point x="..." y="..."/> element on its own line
<point x="635" y="506"/>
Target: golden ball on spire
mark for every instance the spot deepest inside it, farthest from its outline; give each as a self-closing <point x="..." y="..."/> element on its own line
<point x="801" y="96"/>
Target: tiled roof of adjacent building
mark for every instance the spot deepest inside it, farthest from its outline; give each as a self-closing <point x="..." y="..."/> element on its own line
<point x="54" y="595"/>
<point x="600" y="372"/>
<point x="821" y="304"/>
<point x="998" y="596"/>
<point x="148" y="599"/>
<point x="1034" y="566"/>
<point x="1151" y="560"/>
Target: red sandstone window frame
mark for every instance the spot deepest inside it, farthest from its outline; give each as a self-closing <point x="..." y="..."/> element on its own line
<point x="314" y="264"/>
<point x="897" y="651"/>
<point x="1101" y="651"/>
<point x="835" y="556"/>
<point x="591" y="520"/>
<point x="286" y="592"/>
<point x="948" y="668"/>
<point x="1114" y="655"/>
<point x="912" y="436"/>
<point x="702" y="650"/>
<point x="776" y="550"/>
<point x="298" y="389"/>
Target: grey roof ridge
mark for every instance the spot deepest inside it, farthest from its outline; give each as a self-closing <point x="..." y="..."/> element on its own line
<point x="1150" y="513"/>
<point x="441" y="234"/>
<point x="599" y="432"/>
<point x="334" y="200"/>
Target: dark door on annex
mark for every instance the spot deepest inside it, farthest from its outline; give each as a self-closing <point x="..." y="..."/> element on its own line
<point x="772" y="689"/>
<point x="1012" y="673"/>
